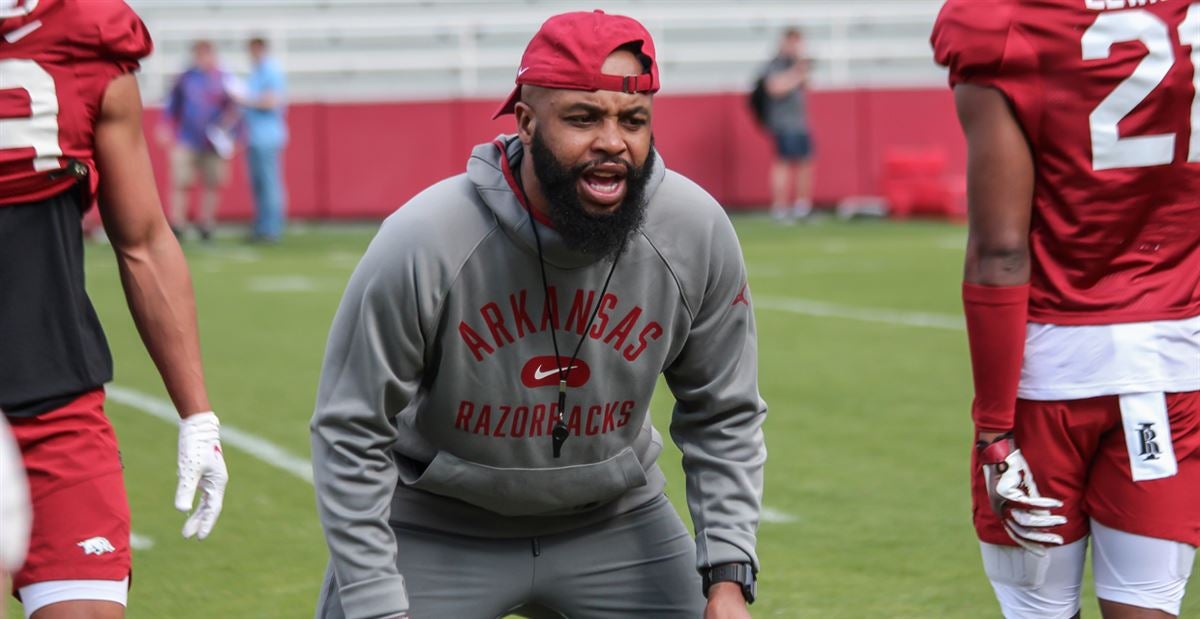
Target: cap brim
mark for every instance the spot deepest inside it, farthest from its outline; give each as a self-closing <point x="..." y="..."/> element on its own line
<point x="510" y="104"/>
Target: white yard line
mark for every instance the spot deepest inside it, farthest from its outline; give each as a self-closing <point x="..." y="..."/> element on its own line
<point x="822" y="309"/>
<point x="952" y="243"/>
<point x="271" y="453"/>
<point x="282" y="283"/>
<point x="775" y="516"/>
<point x="137" y="541"/>
<point x="817" y="267"/>
<point x="343" y="258"/>
<point x="835" y="247"/>
<point x="256" y="446"/>
<point x="765" y="271"/>
<point x="247" y="256"/>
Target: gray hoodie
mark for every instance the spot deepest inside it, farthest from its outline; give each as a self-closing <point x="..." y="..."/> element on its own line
<point x="439" y="386"/>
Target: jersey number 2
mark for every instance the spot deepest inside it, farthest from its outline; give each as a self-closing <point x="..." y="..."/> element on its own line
<point x="39" y="130"/>
<point x="1109" y="149"/>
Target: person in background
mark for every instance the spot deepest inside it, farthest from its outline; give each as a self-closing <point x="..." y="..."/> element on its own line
<point x="787" y="78"/>
<point x="197" y="118"/>
<point x="263" y="111"/>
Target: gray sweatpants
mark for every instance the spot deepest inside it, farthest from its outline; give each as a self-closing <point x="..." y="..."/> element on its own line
<point x="641" y="564"/>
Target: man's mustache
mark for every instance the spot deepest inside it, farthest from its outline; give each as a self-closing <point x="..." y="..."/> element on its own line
<point x="584" y="168"/>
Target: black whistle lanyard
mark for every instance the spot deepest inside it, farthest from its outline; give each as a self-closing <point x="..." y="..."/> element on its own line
<point x="560" y="433"/>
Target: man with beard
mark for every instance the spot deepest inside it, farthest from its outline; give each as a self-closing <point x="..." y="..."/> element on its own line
<point x="481" y="439"/>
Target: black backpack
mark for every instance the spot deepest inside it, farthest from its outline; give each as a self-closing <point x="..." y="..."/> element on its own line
<point x="759" y="99"/>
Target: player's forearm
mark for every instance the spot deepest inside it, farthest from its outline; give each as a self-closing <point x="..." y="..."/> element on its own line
<point x="998" y="233"/>
<point x="158" y="289"/>
<point x="996" y="306"/>
<point x="988" y="437"/>
<point x="996" y="317"/>
<point x="997" y="261"/>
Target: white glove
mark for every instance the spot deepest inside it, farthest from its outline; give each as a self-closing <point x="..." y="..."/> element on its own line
<point x="1014" y="497"/>
<point x="200" y="464"/>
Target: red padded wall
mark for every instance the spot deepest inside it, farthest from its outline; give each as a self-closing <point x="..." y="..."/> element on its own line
<point x="363" y="160"/>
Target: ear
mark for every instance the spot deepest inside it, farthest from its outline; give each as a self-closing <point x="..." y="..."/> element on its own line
<point x="526" y="122"/>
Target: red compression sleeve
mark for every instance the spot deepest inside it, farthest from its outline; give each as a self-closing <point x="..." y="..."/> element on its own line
<point x="996" y="318"/>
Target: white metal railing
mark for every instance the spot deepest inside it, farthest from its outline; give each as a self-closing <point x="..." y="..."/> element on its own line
<point x="404" y="49"/>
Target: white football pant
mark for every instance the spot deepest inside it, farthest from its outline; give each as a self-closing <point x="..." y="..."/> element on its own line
<point x="1129" y="569"/>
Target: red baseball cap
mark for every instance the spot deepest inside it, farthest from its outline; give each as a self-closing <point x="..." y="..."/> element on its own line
<point x="569" y="49"/>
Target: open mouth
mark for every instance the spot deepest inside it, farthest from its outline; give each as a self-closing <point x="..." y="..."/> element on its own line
<point x="603" y="185"/>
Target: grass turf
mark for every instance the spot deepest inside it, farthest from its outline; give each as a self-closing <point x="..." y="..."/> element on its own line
<point x="868" y="429"/>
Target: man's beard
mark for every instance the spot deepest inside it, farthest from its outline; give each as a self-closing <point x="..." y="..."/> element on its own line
<point x="599" y="235"/>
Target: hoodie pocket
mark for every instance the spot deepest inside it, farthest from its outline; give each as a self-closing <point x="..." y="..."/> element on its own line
<point x="531" y="492"/>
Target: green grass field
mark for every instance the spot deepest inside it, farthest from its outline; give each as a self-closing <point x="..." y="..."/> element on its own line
<point x="863" y="363"/>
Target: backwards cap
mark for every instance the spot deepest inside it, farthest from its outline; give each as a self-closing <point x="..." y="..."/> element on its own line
<point x="569" y="49"/>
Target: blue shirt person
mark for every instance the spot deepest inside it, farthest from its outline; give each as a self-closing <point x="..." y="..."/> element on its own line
<point x="265" y="118"/>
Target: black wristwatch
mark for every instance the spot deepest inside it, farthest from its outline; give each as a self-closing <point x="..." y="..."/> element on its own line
<point x="741" y="573"/>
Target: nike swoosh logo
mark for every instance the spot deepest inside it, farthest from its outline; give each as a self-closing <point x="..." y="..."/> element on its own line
<point x="538" y="374"/>
<point x="522" y="70"/>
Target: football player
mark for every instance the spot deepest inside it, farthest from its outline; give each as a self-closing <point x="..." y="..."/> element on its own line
<point x="1082" y="295"/>
<point x="71" y="135"/>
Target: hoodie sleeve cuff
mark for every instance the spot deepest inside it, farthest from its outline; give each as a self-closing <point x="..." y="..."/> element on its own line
<point x="378" y="598"/>
<point x="711" y="550"/>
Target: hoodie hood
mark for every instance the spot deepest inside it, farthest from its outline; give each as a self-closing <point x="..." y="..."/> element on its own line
<point x="490" y="170"/>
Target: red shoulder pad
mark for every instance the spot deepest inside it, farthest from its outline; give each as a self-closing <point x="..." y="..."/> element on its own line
<point x="113" y="32"/>
<point x="970" y="38"/>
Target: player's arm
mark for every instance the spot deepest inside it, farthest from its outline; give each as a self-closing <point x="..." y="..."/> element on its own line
<point x="1000" y="176"/>
<point x="372" y="369"/>
<point x="158" y="289"/>
<point x="718" y="417"/>
<point x="999" y="188"/>
<point x="154" y="273"/>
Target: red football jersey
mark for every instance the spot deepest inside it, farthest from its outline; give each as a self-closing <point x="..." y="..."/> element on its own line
<point x="1106" y="92"/>
<point x="55" y="64"/>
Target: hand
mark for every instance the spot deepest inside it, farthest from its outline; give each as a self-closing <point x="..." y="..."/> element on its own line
<point x="725" y="601"/>
<point x="1014" y="496"/>
<point x="202" y="465"/>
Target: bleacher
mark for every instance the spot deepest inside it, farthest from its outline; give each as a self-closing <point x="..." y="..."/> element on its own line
<point x="373" y="50"/>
